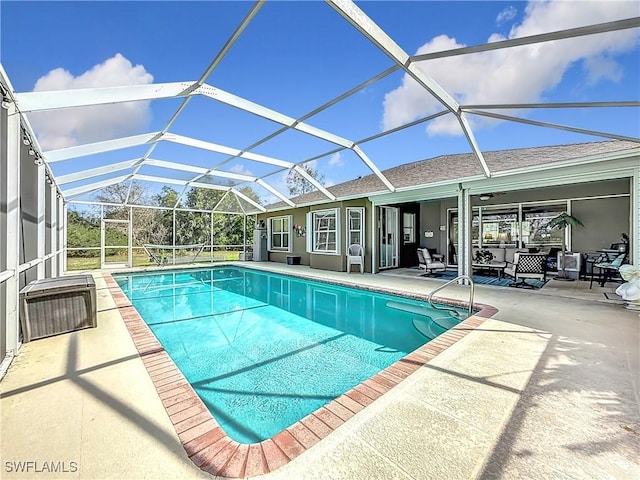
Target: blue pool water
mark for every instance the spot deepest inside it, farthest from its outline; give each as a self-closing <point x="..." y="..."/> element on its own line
<point x="264" y="350"/>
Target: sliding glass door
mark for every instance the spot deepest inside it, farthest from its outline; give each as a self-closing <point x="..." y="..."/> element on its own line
<point x="521" y="225"/>
<point x="388" y="228"/>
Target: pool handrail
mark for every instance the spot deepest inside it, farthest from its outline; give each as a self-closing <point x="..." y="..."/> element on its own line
<point x="452" y="310"/>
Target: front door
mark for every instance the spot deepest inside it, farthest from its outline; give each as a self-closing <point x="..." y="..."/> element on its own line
<point x="410" y="239"/>
<point x="388" y="229"/>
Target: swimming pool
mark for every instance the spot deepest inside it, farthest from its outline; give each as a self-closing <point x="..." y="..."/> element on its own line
<point x="263" y="350"/>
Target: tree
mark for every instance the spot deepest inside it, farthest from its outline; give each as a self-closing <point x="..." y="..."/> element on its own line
<point x="120" y="194"/>
<point x="149" y="225"/>
<point x="561" y="222"/>
<point x="299" y="185"/>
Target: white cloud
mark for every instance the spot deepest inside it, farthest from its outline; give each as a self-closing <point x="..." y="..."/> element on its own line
<point x="602" y="68"/>
<point x="506" y="15"/>
<point x="239" y="168"/>
<point x="336" y="160"/>
<point x="520" y="74"/>
<point x="68" y="127"/>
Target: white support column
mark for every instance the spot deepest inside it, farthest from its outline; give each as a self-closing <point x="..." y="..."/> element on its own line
<point x="41" y="227"/>
<point x="53" y="230"/>
<point x="634" y="234"/>
<point x="520" y="243"/>
<point x="465" y="215"/>
<point x="130" y="239"/>
<point x="62" y="237"/>
<point x="211" y="238"/>
<point x="375" y="238"/>
<point x="244" y="238"/>
<point x="10" y="202"/>
<point x="173" y="240"/>
<point x="568" y="234"/>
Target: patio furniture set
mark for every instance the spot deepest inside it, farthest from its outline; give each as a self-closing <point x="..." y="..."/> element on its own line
<point x="522" y="265"/>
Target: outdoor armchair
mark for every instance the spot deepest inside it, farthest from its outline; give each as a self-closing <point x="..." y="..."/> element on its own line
<point x="426" y="263"/>
<point x="527" y="266"/>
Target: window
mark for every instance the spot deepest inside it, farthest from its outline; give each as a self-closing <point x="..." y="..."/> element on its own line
<point x="503" y="226"/>
<point x="475" y="228"/>
<point x="499" y="226"/>
<point x="355" y="226"/>
<point x="534" y="227"/>
<point x="409" y="228"/>
<point x="324" y="231"/>
<point x="280" y="233"/>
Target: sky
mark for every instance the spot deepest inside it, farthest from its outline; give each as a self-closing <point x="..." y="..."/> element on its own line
<point x="297" y="56"/>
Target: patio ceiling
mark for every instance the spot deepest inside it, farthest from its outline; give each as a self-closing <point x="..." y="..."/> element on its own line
<point x="234" y="166"/>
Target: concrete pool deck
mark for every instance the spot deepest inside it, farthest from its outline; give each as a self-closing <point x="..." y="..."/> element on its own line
<point x="547" y="388"/>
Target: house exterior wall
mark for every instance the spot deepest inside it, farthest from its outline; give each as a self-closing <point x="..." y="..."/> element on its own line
<point x="604" y="219"/>
<point x="323" y="261"/>
<point x="433" y="215"/>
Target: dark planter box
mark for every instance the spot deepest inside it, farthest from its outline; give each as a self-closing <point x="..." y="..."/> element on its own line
<point x="293" y="260"/>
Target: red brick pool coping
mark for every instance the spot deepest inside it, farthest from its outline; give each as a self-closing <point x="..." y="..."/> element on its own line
<point x="206" y="443"/>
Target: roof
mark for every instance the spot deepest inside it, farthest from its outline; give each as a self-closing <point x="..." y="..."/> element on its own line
<point x="458" y="166"/>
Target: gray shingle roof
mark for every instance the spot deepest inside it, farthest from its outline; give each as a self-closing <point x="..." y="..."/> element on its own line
<point x="463" y="165"/>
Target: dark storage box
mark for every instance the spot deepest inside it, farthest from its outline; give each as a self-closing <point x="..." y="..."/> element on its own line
<point x="293" y="260"/>
<point x="57" y="305"/>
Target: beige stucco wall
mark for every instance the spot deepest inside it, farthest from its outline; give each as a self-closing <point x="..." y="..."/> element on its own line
<point x="337" y="263"/>
<point x="604" y="219"/>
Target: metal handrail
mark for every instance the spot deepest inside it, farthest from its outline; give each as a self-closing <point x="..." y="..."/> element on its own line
<point x="467" y="277"/>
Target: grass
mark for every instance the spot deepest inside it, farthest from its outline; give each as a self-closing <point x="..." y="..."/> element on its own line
<point x="139" y="260"/>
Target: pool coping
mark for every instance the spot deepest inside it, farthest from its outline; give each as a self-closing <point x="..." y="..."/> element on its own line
<point x="206" y="443"/>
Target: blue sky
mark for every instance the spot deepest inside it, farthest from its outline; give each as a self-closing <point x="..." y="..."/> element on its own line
<point x="295" y="56"/>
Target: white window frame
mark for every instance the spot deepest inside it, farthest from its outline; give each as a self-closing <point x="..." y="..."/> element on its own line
<point x="289" y="232"/>
<point x="348" y="226"/>
<point x="311" y="228"/>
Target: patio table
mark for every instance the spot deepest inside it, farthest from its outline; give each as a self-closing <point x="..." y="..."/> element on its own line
<point x="490" y="266"/>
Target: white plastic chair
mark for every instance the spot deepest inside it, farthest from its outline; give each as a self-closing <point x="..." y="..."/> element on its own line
<point x="355" y="256"/>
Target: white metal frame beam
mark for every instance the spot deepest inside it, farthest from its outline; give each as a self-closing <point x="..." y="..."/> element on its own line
<point x="101" y="147"/>
<point x="247" y="199"/>
<point x="356" y="17"/>
<point x="96" y="172"/>
<point x="539" y="38"/>
<point x="82" y="97"/>
<point x="10" y="195"/>
<point x="41" y="232"/>
<point x="218" y="58"/>
<point x="53" y="230"/>
<point x="268" y="187"/>
<point x="62" y="235"/>
<point x="553" y="125"/>
<point x="301" y="171"/>
<point x="175" y="181"/>
<point x="84" y="189"/>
